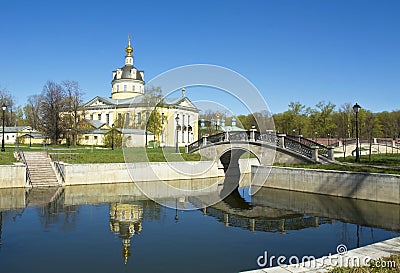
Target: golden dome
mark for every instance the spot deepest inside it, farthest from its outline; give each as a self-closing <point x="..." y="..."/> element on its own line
<point x="129" y="49"/>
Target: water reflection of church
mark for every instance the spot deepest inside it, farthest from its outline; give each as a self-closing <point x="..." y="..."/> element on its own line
<point x="126" y="221"/>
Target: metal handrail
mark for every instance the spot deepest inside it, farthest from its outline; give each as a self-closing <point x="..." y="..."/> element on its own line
<point x="298" y="147"/>
<point x="60" y="170"/>
<point x="322" y="149"/>
<point x="21" y="157"/>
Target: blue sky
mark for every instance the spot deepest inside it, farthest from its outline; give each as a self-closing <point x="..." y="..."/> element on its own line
<point x="307" y="51"/>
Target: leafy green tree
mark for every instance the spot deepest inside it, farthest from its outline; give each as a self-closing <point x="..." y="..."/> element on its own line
<point x="297" y="116"/>
<point x="154" y="124"/>
<point x="108" y="138"/>
<point x="321" y="118"/>
<point x="152" y="121"/>
<point x="370" y="129"/>
<point x="247" y="121"/>
<point x="284" y="122"/>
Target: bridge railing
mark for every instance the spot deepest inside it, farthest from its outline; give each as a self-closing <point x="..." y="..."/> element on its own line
<point x="322" y="149"/>
<point x="216" y="138"/>
<point x="298" y="147"/>
<point x="238" y="136"/>
<point x="205" y="140"/>
<point x="270" y="137"/>
<point x="234" y="136"/>
<point x="298" y="144"/>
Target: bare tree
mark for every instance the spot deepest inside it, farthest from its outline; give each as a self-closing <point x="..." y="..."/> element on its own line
<point x="343" y="121"/>
<point x="8" y="100"/>
<point x="32" y="111"/>
<point x="52" y="105"/>
<point x="74" y="107"/>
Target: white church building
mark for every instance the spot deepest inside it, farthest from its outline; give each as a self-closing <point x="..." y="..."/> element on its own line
<point x="126" y="106"/>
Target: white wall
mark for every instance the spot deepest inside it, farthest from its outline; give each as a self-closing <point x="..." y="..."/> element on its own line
<point x="12" y="176"/>
<point x="367" y="186"/>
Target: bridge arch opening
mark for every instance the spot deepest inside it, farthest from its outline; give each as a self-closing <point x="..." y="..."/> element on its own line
<point x="230" y="158"/>
<point x="231" y="164"/>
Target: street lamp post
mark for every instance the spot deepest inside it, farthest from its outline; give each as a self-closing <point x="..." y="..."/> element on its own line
<point x="176" y="143"/>
<point x="176" y="211"/>
<point x="356" y="109"/>
<point x="112" y="137"/>
<point x="3" y="107"/>
<point x="145" y="130"/>
<point x="30" y="137"/>
<point x="329" y="139"/>
<point x="68" y="137"/>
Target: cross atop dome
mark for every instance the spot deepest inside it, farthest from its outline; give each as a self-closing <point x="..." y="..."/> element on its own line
<point x="129" y="48"/>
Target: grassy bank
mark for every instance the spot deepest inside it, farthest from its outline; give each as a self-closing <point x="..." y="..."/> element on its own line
<point x="348" y="168"/>
<point x="88" y="154"/>
<point x="99" y="155"/>
<point x="379" y="163"/>
<point x="376" y="160"/>
<point x="7" y="157"/>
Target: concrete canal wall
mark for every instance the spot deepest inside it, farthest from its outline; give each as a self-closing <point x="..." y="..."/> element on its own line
<point x="366" y="186"/>
<point x="12" y="176"/>
<point x="79" y="174"/>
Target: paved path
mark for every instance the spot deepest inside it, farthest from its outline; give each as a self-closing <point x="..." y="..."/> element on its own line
<point x="362" y="255"/>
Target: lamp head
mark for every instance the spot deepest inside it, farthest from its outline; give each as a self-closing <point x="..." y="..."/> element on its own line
<point x="356" y="108"/>
<point x="4" y="107"/>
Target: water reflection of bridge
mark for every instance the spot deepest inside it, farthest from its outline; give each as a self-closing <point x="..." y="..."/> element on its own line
<point x="283" y="224"/>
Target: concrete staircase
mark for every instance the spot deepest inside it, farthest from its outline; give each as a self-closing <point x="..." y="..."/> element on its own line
<point x="41" y="171"/>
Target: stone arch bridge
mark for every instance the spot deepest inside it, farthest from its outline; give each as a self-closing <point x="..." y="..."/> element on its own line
<point x="267" y="147"/>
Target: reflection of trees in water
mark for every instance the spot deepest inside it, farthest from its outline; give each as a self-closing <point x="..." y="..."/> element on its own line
<point x="152" y="211"/>
<point x="67" y="216"/>
<point x="56" y="212"/>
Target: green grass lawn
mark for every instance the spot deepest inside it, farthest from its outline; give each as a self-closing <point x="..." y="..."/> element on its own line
<point x="376" y="159"/>
<point x="7" y="157"/>
<point x="380" y="163"/>
<point x="349" y="168"/>
<point x="89" y="155"/>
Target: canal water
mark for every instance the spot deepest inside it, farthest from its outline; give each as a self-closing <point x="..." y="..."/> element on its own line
<point x="114" y="228"/>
